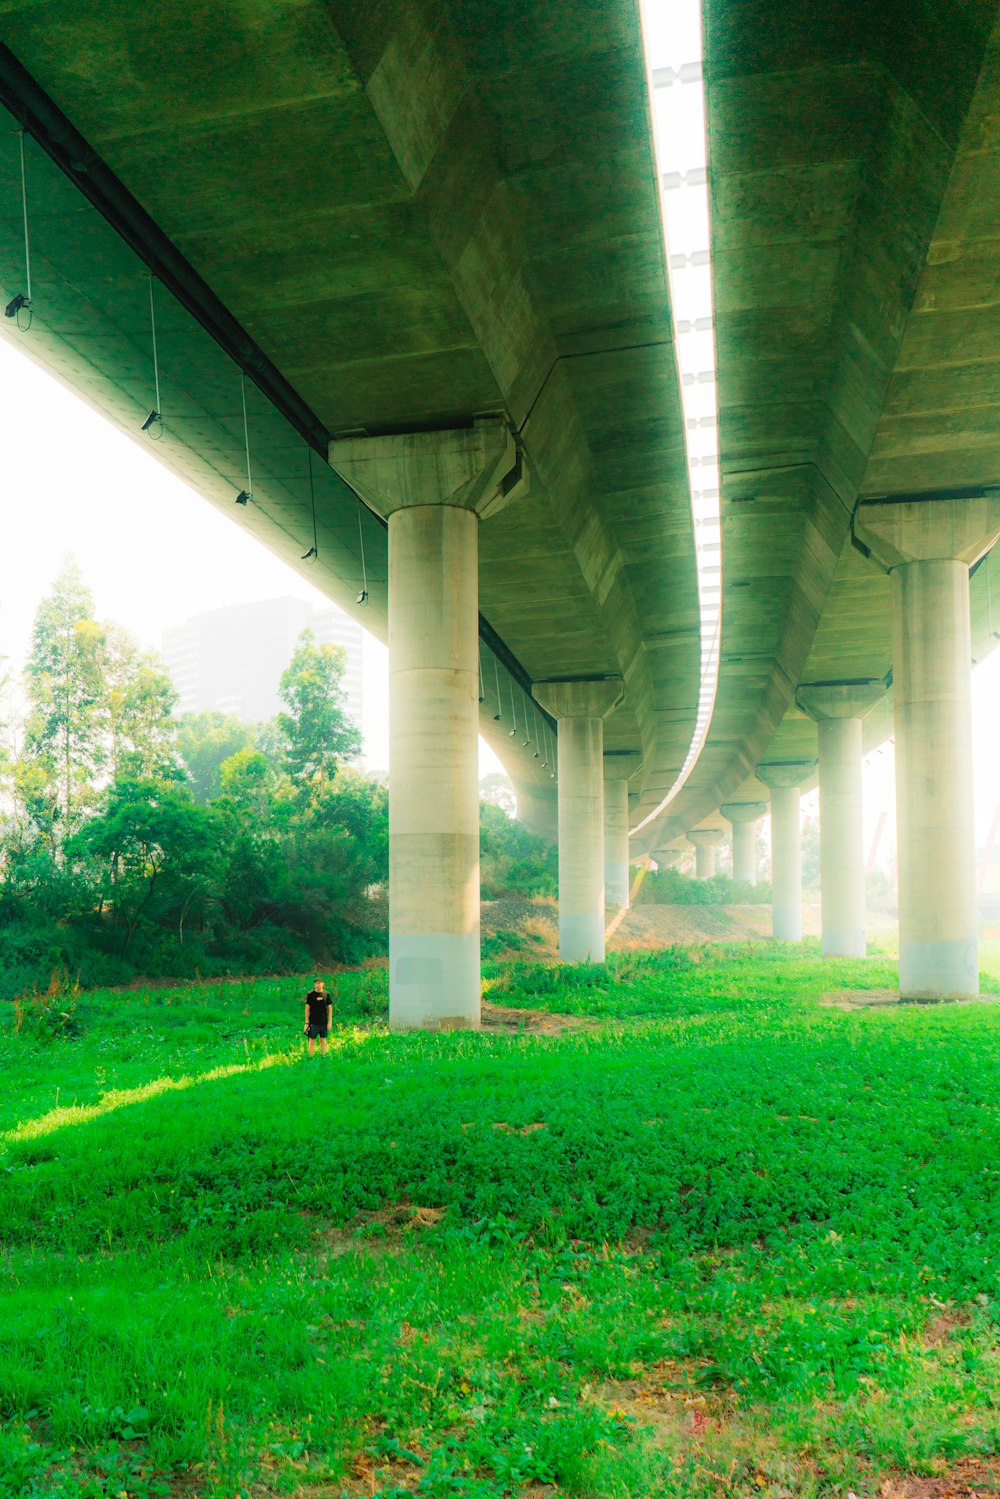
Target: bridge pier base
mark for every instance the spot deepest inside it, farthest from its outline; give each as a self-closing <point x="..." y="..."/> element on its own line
<point x="744" y="816"/>
<point x="785" y="782"/>
<point x="838" y="708"/>
<point x="581" y="708"/>
<point x="433" y="487"/>
<point x="927" y="546"/>
<point x="705" y="841"/>
<point x="618" y="768"/>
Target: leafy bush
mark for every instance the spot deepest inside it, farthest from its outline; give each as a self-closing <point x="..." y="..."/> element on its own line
<point x="668" y="887"/>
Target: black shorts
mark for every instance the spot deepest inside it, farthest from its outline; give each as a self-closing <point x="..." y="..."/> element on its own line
<point x="317" y="1030"/>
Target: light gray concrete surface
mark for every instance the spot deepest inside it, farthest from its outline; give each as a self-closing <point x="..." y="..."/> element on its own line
<point x="433" y="487"/>
<point x="705" y="841"/>
<point x="744" y="817"/>
<point x="838" y="709"/>
<point x="619" y="767"/>
<point x="785" y="782"/>
<point x="581" y="706"/>
<point x="927" y="547"/>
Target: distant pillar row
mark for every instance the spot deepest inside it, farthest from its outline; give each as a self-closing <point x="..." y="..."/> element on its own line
<point x="838" y="708"/>
<point x="619" y="767"/>
<point x="785" y="781"/>
<point x="581" y="706"/>
<point x="927" y="546"/>
<point x="704" y="841"/>
<point x="744" y="816"/>
<point x="434" y="488"/>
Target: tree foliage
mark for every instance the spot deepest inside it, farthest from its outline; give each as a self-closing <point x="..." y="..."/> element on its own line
<point x="317" y="732"/>
<point x="132" y="841"/>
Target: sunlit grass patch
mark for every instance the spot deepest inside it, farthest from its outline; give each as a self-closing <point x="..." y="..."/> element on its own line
<point x="722" y="1241"/>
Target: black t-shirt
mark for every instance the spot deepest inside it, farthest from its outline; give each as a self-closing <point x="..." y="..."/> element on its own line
<point x="317" y="1006"/>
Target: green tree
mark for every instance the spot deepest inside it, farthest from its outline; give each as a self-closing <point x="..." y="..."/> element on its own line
<point x="205" y="741"/>
<point x="64" y="678"/>
<point x="138" y="700"/>
<point x="317" y="731"/>
<point x="512" y="860"/>
<point x="152" y="852"/>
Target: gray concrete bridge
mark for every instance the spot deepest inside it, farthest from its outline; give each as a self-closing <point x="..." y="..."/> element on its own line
<point x="422" y="243"/>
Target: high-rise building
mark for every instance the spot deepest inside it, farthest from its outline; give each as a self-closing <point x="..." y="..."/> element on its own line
<point x="230" y="660"/>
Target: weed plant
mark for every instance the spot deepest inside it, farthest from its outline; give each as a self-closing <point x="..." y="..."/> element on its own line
<point x="717" y="1238"/>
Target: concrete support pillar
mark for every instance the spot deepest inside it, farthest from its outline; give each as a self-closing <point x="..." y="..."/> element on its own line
<point x="433" y="487"/>
<point x="581" y="708"/>
<point x="838" y="708"/>
<point x="744" y="817"/>
<point x="785" y="782"/>
<point x="705" y="841"/>
<point x="619" y="766"/>
<point x="928" y="546"/>
<point x="666" y="858"/>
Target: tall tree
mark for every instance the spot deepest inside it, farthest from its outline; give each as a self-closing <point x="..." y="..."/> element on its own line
<point x="64" y="678"/>
<point x="205" y="741"/>
<point x="317" y="731"/>
<point x="154" y="854"/>
<point x="138" y="699"/>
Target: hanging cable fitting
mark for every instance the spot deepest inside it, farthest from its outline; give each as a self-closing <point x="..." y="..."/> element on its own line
<point x="313" y="552"/>
<point x="154" y="422"/>
<point x="245" y="495"/>
<point x="19" y="307"/>
<point x="496" y="677"/>
<point x="363" y="595"/>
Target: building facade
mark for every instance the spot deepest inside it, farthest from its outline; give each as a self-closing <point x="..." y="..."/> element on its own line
<point x="230" y="660"/>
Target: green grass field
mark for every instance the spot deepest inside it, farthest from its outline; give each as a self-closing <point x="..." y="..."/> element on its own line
<point x="715" y="1239"/>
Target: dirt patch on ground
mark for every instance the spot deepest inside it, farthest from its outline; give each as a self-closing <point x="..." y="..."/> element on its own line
<point x="876" y="999"/>
<point x="534" y="926"/>
<point x="384" y="1230"/>
<point x="535" y="1022"/>
<point x="970" y="1479"/>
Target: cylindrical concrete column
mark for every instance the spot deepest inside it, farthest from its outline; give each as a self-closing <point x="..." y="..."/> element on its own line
<point x="433" y="487"/>
<point x="744" y="816"/>
<point x="619" y="766"/>
<point x="786" y="847"/>
<point x="928" y="546"/>
<point x="434" y="766"/>
<point x="932" y="707"/>
<point x="786" y="863"/>
<point x="838" y="708"/>
<point x="841" y="838"/>
<point x="581" y="707"/>
<point x="744" y="862"/>
<point x="705" y="841"/>
<point x="581" y="840"/>
<point x="616" y="870"/>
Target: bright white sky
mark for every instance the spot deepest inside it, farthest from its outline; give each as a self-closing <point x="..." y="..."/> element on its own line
<point x="152" y="550"/>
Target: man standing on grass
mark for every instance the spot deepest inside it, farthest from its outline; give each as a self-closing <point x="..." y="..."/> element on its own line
<point x="318" y="1017"/>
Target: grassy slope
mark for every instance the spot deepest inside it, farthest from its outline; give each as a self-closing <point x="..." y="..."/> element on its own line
<point x="725" y="1241"/>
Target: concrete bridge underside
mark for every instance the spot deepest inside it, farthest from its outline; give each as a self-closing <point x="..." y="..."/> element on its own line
<point x="441" y="217"/>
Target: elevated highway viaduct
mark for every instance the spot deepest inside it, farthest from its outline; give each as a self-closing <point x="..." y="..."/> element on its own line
<point x="856" y="252"/>
<point x="406" y="271"/>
